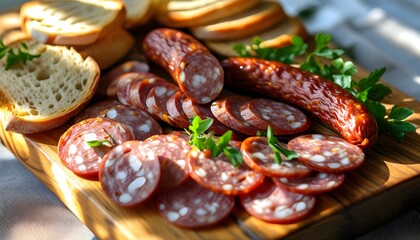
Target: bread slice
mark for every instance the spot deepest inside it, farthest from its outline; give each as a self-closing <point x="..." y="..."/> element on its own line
<point x="71" y="22"/>
<point x="206" y="12"/>
<point x="46" y="92"/>
<point x="247" y="23"/>
<point x="138" y="12"/>
<point x="278" y="36"/>
<point x="110" y="49"/>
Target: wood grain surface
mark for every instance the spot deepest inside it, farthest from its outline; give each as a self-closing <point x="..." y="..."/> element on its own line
<point x="383" y="187"/>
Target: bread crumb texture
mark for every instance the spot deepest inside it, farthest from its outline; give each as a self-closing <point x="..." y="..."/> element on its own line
<point x="48" y="86"/>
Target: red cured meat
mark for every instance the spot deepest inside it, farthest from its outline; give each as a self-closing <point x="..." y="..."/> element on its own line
<point x="78" y="156"/>
<point x="94" y="110"/>
<point x="156" y="100"/>
<point x="327" y="153"/>
<point x="192" y="206"/>
<point x="274" y="204"/>
<point x="129" y="174"/>
<point x="219" y="175"/>
<point x="314" y="183"/>
<point x="197" y="72"/>
<point x="259" y="156"/>
<point x="176" y="113"/>
<point x="140" y="89"/>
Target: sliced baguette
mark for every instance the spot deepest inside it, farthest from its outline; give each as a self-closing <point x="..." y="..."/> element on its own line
<point x="46" y="92"/>
<point x="278" y="36"/>
<point x="110" y="49"/>
<point x="71" y="22"/>
<point x="138" y="12"/>
<point x="247" y="23"/>
<point x="203" y="14"/>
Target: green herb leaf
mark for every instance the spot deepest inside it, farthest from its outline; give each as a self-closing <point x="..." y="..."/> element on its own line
<point x="12" y="58"/>
<point x="400" y="113"/>
<point x="97" y="143"/>
<point x="202" y="140"/>
<point x="277" y="148"/>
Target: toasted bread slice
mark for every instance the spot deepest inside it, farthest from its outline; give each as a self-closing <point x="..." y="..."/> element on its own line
<point x="71" y="22"/>
<point x="110" y="49"/>
<point x="244" y="24"/>
<point x="138" y="12"/>
<point x="206" y="12"/>
<point x="278" y="36"/>
<point x="46" y="92"/>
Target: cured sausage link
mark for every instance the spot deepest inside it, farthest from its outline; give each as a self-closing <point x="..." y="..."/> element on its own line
<point x="197" y="72"/>
<point x="324" y="99"/>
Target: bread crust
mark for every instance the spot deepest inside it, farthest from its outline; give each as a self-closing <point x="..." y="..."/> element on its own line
<point x="254" y="20"/>
<point x="202" y="15"/>
<point x="31" y="25"/>
<point x="276" y="37"/>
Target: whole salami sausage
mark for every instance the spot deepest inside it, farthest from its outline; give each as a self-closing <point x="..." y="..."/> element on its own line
<point x="324" y="99"/>
<point x="219" y="175"/>
<point x="82" y="159"/>
<point x="129" y="174"/>
<point x="197" y="72"/>
<point x="274" y="204"/>
<point x="326" y="153"/>
<point x="192" y="206"/>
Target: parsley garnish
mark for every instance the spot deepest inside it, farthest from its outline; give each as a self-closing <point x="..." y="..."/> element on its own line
<point x="106" y="142"/>
<point x="13" y="58"/>
<point x="276" y="147"/>
<point x="202" y="140"/>
<point x="367" y="90"/>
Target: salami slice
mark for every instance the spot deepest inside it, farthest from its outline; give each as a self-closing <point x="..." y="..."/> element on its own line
<point x="197" y="72"/>
<point x="172" y="150"/>
<point x="141" y="122"/>
<point x="94" y="110"/>
<point x="124" y="83"/>
<point x="192" y="109"/>
<point x="78" y="156"/>
<point x="219" y="175"/>
<point x="259" y="156"/>
<point x="107" y="85"/>
<point x="314" y="183"/>
<point x="176" y="113"/>
<point x="228" y="112"/>
<point x="192" y="206"/>
<point x="274" y="204"/>
<point x="140" y="89"/>
<point x="326" y="153"/>
<point x="283" y="118"/>
<point x="156" y="100"/>
<point x="129" y="174"/>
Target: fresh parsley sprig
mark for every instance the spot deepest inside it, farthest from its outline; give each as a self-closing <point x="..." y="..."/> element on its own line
<point x="13" y="58"/>
<point x="104" y="142"/>
<point x="203" y="140"/>
<point x="342" y="72"/>
<point x="276" y="147"/>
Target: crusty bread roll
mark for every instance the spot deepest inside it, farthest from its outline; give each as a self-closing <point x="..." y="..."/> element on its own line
<point x="46" y="92"/>
<point x="71" y="22"/>
<point x="110" y="49"/>
<point x="243" y="24"/>
<point x="203" y="13"/>
<point x="278" y="36"/>
<point x="10" y="28"/>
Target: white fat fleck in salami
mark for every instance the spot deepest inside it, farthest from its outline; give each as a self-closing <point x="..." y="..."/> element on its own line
<point x="283" y="118"/>
<point x="141" y="122"/>
<point x="274" y="204"/>
<point x="314" y="183"/>
<point x="93" y="110"/>
<point x="326" y="153"/>
<point x="192" y="206"/>
<point x="259" y="156"/>
<point x="175" y="111"/>
<point x="128" y="161"/>
<point x="140" y="89"/>
<point x="78" y="156"/>
<point x="157" y="98"/>
<point x="219" y="175"/>
<point x="172" y="150"/>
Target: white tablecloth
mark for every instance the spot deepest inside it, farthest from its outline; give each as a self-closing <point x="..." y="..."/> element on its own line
<point x="382" y="33"/>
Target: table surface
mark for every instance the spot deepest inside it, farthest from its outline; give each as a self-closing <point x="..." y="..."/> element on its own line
<point x="28" y="210"/>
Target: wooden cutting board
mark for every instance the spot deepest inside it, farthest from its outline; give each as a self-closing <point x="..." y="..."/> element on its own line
<point x="386" y="185"/>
